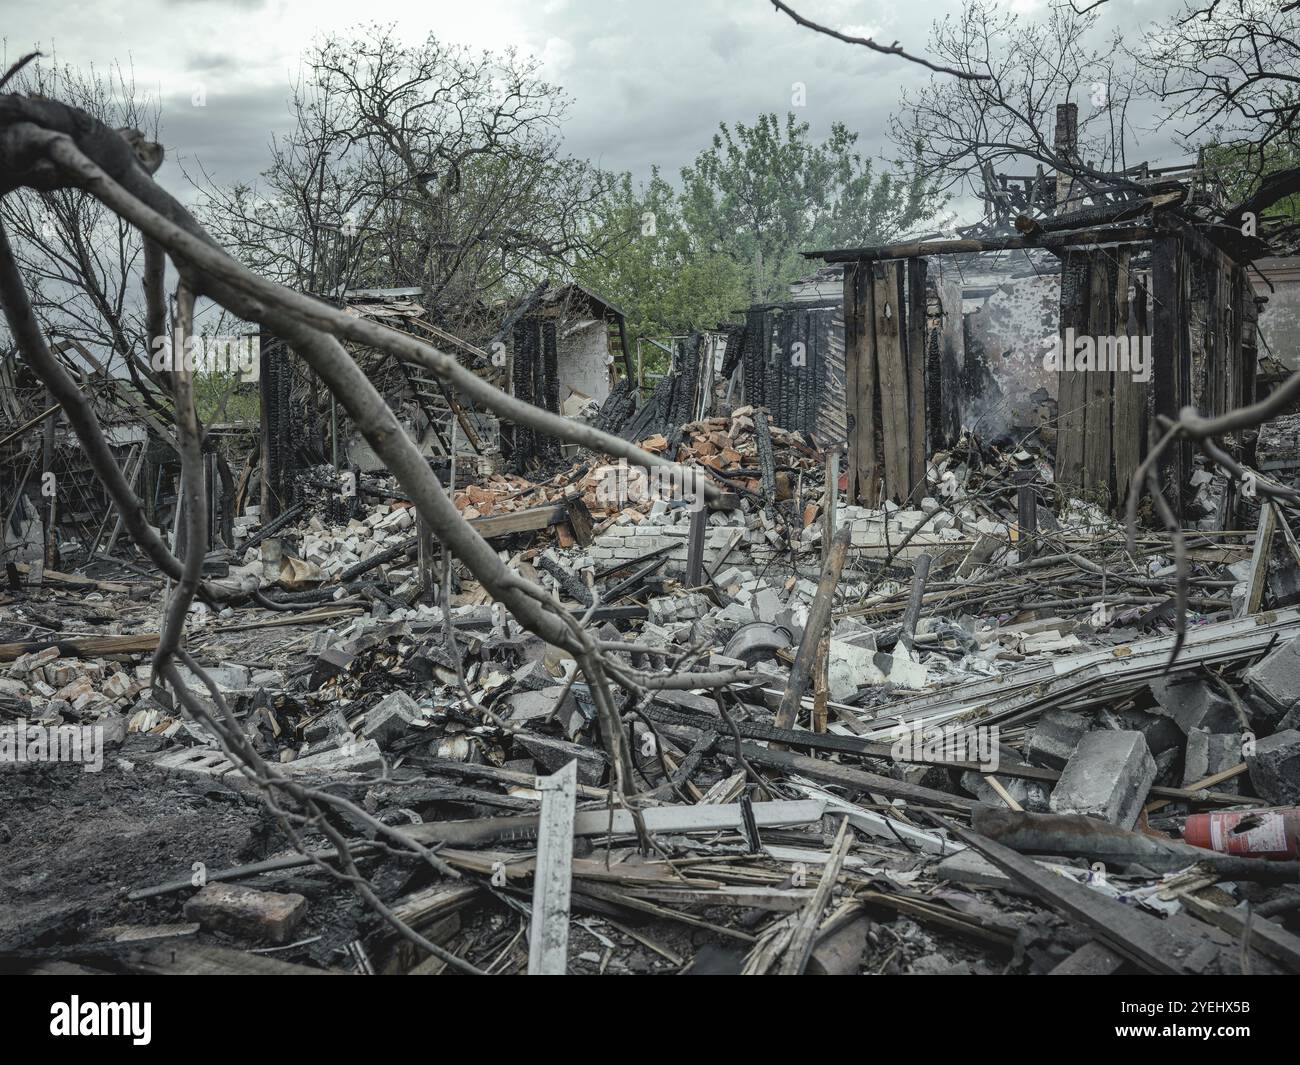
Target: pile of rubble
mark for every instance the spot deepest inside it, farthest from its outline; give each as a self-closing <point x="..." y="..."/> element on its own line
<point x="958" y="744"/>
<point x="68" y="689"/>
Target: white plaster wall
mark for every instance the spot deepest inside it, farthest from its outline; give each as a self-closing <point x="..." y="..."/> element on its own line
<point x="582" y="358"/>
<point x="1279" y="320"/>
<point x="1010" y="328"/>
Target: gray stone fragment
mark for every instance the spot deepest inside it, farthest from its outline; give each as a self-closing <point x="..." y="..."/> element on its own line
<point x="247" y="912"/>
<point x="390" y="718"/>
<point x="1276" y="678"/>
<point x="347" y="758"/>
<point x="1160" y="731"/>
<point x="1055" y="737"/>
<point x="1192" y="703"/>
<point x="329" y="726"/>
<point x="1169" y="768"/>
<point x="533" y="676"/>
<point x="1107" y="777"/>
<point x="229" y="677"/>
<point x="114" y="726"/>
<point x="687" y="702"/>
<point x="1209" y="753"/>
<point x="534" y="705"/>
<point x="841" y="952"/>
<point x="735" y="614"/>
<point x="1275" y="768"/>
<point x="849" y="668"/>
<point x="553" y="755"/>
<point x="768" y="605"/>
<point x="1291" y="719"/>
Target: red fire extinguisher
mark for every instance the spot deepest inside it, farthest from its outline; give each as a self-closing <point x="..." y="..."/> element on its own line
<point x="1271" y="833"/>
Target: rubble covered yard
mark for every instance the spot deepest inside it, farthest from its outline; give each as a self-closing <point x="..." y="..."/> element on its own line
<point x="908" y="748"/>
<point x="940" y="615"/>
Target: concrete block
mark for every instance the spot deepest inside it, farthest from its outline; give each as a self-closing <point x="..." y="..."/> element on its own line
<point x="390" y="718"/>
<point x="1192" y="703"/>
<point x="349" y="758"/>
<point x="1055" y="737"/>
<point x="330" y="725"/>
<point x="1161" y="732"/>
<point x="1275" y="768"/>
<point x="850" y="667"/>
<point x="729" y="576"/>
<point x="539" y="703"/>
<point x="247" y="913"/>
<point x="200" y="760"/>
<point x="532" y="676"/>
<point x="1107" y="777"/>
<point x="1275" y="680"/>
<point x="553" y="755"/>
<point x="767" y="605"/>
<point x="1209" y="753"/>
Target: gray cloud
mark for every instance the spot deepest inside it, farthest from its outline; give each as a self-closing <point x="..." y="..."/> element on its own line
<point x="650" y="81"/>
<point x="247" y="5"/>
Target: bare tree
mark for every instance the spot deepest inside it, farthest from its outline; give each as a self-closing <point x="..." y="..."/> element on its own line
<point x="1229" y="74"/>
<point x="432" y="166"/>
<point x="83" y="265"/>
<point x="964" y="129"/>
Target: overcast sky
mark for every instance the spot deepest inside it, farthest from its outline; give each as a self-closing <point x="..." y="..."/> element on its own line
<point x="650" y="79"/>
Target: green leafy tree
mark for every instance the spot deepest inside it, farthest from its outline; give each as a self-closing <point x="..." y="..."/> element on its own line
<point x="685" y="259"/>
<point x="660" y="276"/>
<point x="1240" y="170"/>
<point x="766" y="192"/>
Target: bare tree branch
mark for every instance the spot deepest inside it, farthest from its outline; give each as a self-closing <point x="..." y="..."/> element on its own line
<point x="867" y="42"/>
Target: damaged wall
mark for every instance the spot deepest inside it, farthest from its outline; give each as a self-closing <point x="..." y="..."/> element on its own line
<point x="1279" y="321"/>
<point x="583" y="360"/>
<point x="1005" y="333"/>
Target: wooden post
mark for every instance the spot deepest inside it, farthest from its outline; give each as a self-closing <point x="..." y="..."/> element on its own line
<point x="49" y="552"/>
<point x="916" y="359"/>
<point x="830" y="516"/>
<point x="1099" y="383"/>
<point x="1259" y="556"/>
<point x="892" y="369"/>
<point x="1170" y="348"/>
<point x="1130" y="394"/>
<point x="821" y="682"/>
<point x="819" y="617"/>
<point x="1070" y="390"/>
<point x="267" y="377"/>
<point x="548" y="931"/>
<point x="426" y="554"/>
<point x="695" y="546"/>
<point x="860" y="383"/>
<point x="913" y="612"/>
<point x="1027" y="517"/>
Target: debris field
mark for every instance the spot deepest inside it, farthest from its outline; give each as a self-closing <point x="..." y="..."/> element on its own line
<point x="955" y="742"/>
